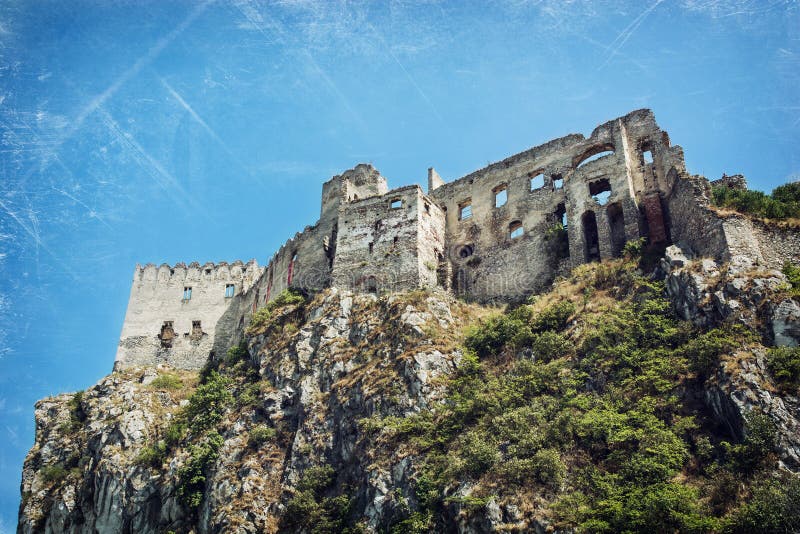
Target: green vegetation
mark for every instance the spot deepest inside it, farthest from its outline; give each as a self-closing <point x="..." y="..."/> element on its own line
<point x="262" y="317"/>
<point x="260" y="435"/>
<point x="587" y="409"/>
<point x="237" y="354"/>
<point x="783" y="203"/>
<point x="53" y="473"/>
<point x="152" y="455"/>
<point x="167" y="381"/>
<point x="792" y="273"/>
<point x="784" y="364"/>
<point x="192" y="475"/>
<point x="310" y="510"/>
<point x="76" y="414"/>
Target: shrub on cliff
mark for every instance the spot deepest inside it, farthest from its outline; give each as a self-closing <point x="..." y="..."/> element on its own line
<point x="783" y="203"/>
<point x="784" y="364"/>
<point x="288" y="297"/>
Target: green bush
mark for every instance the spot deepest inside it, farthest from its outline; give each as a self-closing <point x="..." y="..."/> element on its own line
<point x="773" y="507"/>
<point x="152" y="456"/>
<point x="53" y="473"/>
<point x="236" y="354"/>
<point x="784" y="364"/>
<point x="260" y="435"/>
<point x="784" y="202"/>
<point x="633" y="249"/>
<point x="208" y="403"/>
<point x="316" y="478"/>
<point x="761" y="439"/>
<point x="288" y="297"/>
<point x="554" y="317"/>
<point x="167" y="381"/>
<point x="192" y="475"/>
<point x="792" y="273"/>
<point x="311" y="511"/>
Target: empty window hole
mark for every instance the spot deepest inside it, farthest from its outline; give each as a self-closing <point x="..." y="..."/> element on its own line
<point x="537" y="181"/>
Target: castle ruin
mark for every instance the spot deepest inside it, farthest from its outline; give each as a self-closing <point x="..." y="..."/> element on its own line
<point x="500" y="233"/>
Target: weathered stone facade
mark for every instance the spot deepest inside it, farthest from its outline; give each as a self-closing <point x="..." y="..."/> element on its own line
<point x="497" y="234"/>
<point x="173" y="312"/>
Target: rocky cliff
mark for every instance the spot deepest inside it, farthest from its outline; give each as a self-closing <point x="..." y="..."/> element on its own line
<point x="592" y="408"/>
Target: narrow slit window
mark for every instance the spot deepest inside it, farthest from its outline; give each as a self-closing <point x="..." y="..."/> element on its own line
<point x="465" y="210"/>
<point x="500" y="196"/>
<point x="537" y="181"/>
<point x="427" y="208"/>
<point x="515" y="230"/>
<point x="187" y="293"/>
<point x="371" y="247"/>
<point x="229" y="289"/>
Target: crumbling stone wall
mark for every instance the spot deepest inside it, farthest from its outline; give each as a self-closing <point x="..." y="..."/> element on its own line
<point x="391" y="242"/>
<point x="497" y="234"/>
<point x="694" y="224"/>
<point x="162" y="326"/>
<point x="545" y="182"/>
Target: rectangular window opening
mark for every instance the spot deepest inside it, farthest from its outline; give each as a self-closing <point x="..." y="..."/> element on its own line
<point x="558" y="181"/>
<point x="648" y="156"/>
<point x="537" y="180"/>
<point x="500" y="197"/>
<point x="187" y="293"/>
<point x="465" y="210"/>
<point x="396" y="204"/>
<point x="229" y="290"/>
<point x="600" y="191"/>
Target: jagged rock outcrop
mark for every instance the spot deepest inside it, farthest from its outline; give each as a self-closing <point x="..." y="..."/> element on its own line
<point x="740" y="291"/>
<point x="312" y="415"/>
<point x="329" y="365"/>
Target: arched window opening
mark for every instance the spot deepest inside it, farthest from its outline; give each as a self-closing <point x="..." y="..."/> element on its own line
<point x="592" y="249"/>
<point x="372" y="285"/>
<point x="536" y="180"/>
<point x="465" y="251"/>
<point x="600" y="191"/>
<point x="593" y="154"/>
<point x="616" y="220"/>
<point x="500" y="196"/>
<point x="515" y="230"/>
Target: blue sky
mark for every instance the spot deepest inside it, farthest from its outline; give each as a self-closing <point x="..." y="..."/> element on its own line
<point x="135" y="131"/>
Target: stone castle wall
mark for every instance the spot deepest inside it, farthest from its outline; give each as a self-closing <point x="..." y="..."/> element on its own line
<point x="162" y="326"/>
<point x="497" y="234"/>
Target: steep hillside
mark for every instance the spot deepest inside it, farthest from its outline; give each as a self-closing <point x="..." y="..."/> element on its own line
<point x="593" y="407"/>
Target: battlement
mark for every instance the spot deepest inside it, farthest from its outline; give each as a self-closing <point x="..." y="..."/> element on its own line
<point x="196" y="272"/>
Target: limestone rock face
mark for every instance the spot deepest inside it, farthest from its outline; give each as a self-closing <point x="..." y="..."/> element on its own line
<point x="740" y="385"/>
<point x="741" y="291"/>
<point x="347" y="359"/>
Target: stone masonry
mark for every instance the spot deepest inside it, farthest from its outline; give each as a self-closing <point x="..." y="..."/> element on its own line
<point x="497" y="234"/>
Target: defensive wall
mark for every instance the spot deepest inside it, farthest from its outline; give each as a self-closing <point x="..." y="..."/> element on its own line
<point x="497" y="234"/>
<point x="173" y="311"/>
